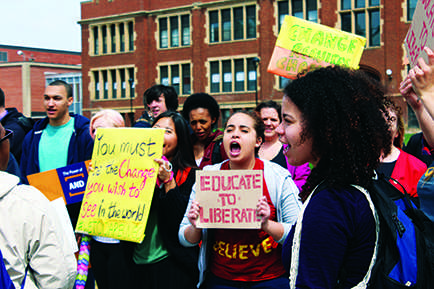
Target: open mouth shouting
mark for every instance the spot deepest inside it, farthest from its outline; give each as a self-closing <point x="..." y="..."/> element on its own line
<point x="234" y="148"/>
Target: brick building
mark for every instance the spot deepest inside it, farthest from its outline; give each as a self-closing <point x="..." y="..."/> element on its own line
<point x="23" y="72"/>
<point x="219" y="47"/>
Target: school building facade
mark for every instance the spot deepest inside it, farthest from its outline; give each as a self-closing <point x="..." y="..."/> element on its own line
<point x="220" y="47"/>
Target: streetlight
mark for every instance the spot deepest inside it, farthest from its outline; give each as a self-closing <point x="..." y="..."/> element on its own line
<point x="256" y="61"/>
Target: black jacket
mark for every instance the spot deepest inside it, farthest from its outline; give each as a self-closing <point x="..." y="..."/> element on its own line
<point x="10" y="121"/>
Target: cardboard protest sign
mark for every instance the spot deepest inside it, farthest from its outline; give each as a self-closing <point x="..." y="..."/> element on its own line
<point x="68" y="182"/>
<point x="421" y="32"/>
<point x="289" y="64"/>
<point x="228" y="198"/>
<point x="121" y="183"/>
<point x="321" y="46"/>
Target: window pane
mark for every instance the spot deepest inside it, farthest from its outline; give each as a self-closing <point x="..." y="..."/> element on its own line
<point x="164" y="40"/>
<point x="251" y="21"/>
<point x="123" y="84"/>
<point x="114" y="83"/>
<point x="214" y="26"/>
<point x="360" y="24"/>
<point x="360" y="3"/>
<point x="283" y="81"/>
<point x="374" y="28"/>
<point x="105" y="84"/>
<point x="252" y="74"/>
<point x="174" y="70"/>
<point x="174" y="32"/>
<point x="131" y="35"/>
<point x="346" y="22"/>
<point x="186" y="83"/>
<point x="96" y="78"/>
<point x="238" y="23"/>
<point x="411" y="6"/>
<point x="185" y="24"/>
<point x="131" y="81"/>
<point x="227" y="75"/>
<point x="312" y="12"/>
<point x="104" y="39"/>
<point x="239" y="75"/>
<point x="3" y="56"/>
<point x="215" y="76"/>
<point x="95" y="41"/>
<point x="122" y="36"/>
<point x="226" y="25"/>
<point x="113" y="37"/>
<point x="374" y="2"/>
<point x="164" y="75"/>
<point x="282" y="10"/>
<point x="297" y="8"/>
<point x="345" y="4"/>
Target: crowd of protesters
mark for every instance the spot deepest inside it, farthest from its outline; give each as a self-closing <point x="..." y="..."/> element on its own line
<point x="318" y="152"/>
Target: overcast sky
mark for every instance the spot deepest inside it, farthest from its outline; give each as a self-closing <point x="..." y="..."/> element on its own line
<point x="50" y="24"/>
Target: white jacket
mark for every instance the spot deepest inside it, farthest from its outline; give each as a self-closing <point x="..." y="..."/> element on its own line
<point x="30" y="236"/>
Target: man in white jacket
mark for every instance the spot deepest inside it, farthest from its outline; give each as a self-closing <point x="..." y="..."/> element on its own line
<point x="31" y="239"/>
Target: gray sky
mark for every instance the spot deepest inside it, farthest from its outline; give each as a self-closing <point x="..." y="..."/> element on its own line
<point x="50" y="24"/>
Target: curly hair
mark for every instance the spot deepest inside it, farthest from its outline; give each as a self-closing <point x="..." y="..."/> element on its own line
<point x="201" y="100"/>
<point x="392" y="106"/>
<point x="343" y="114"/>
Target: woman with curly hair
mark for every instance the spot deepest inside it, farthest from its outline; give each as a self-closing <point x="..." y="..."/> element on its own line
<point x="334" y="119"/>
<point x="202" y="112"/>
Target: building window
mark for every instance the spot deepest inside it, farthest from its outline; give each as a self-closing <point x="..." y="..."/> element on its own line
<point x="174" y="31"/>
<point x="232" y="75"/>
<point x="130" y="36"/>
<point x="362" y="17"/>
<point x="3" y="56"/>
<point x="114" y="83"/>
<point x="304" y="9"/>
<point x="178" y="76"/>
<point x="112" y="38"/>
<point x="236" y="23"/>
<point x="411" y="6"/>
<point x="95" y="40"/>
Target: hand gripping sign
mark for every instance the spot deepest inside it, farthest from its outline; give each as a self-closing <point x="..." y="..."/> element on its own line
<point x="228" y="198"/>
<point x="121" y="183"/>
<point x="304" y="46"/>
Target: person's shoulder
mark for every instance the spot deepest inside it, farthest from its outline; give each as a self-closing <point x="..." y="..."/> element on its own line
<point x="413" y="161"/>
<point x="275" y="168"/>
<point x="80" y="121"/>
<point x="214" y="167"/>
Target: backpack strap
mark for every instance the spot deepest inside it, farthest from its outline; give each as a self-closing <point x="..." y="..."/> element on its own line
<point x="365" y="280"/>
<point x="297" y="238"/>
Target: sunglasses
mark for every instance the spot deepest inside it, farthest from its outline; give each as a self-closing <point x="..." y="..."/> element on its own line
<point x="8" y="135"/>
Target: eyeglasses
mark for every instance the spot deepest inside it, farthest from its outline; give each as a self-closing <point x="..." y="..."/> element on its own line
<point x="8" y="135"/>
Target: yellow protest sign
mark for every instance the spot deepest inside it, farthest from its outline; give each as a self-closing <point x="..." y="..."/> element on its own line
<point x="228" y="198"/>
<point x="321" y="42"/>
<point x="121" y="183"/>
<point x="290" y="64"/>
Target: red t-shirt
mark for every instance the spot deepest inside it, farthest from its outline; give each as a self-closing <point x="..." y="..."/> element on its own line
<point x="246" y="254"/>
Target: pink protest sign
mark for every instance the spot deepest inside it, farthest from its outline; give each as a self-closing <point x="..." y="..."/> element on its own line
<point x="421" y="31"/>
<point x="228" y="199"/>
<point x="289" y="64"/>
